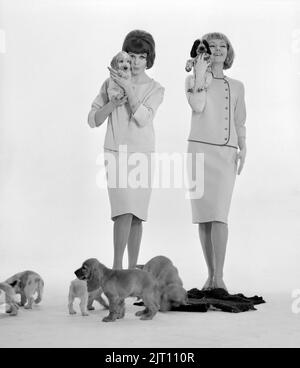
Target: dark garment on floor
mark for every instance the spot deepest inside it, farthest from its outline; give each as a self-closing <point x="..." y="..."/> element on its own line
<point x="220" y="299"/>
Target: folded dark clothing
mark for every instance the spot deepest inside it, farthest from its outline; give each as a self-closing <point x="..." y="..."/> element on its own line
<point x="220" y="299"/>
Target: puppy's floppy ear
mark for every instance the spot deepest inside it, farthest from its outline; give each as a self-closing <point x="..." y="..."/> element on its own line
<point x="93" y="281"/>
<point x="207" y="47"/>
<point x="193" y="52"/>
<point x="114" y="62"/>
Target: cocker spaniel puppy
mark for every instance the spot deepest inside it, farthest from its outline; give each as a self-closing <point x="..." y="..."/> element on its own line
<point x="122" y="64"/>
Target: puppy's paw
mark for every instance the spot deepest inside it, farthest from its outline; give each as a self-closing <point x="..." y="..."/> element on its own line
<point x="108" y="319"/>
<point x="72" y="312"/>
<point x="84" y="314"/>
<point x="28" y="307"/>
<point x="140" y="313"/>
<point x="91" y="308"/>
<point x="146" y="317"/>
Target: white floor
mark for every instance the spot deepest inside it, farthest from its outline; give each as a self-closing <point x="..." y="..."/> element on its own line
<point x="49" y="325"/>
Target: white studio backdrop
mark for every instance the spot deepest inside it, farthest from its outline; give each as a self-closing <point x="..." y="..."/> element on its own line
<point x="52" y="214"/>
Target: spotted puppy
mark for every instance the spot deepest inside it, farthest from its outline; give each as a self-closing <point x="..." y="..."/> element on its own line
<point x="120" y="284"/>
<point x="28" y="284"/>
<point x="200" y="48"/>
<point x="10" y="296"/>
<point x="170" y="284"/>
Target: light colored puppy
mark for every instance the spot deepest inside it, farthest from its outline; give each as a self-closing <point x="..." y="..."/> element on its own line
<point x="170" y="284"/>
<point x="78" y="289"/>
<point x="10" y="297"/>
<point x="120" y="284"/>
<point x="122" y="64"/>
<point x="28" y="283"/>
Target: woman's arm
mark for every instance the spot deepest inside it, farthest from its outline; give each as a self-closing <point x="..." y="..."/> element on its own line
<point x="194" y="87"/>
<point x="102" y="107"/>
<point x="133" y="101"/>
<point x="146" y="110"/>
<point x="240" y="120"/>
<point x="102" y="114"/>
<point x="196" y="96"/>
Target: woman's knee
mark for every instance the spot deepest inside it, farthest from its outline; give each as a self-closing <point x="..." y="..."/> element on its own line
<point x="205" y="226"/>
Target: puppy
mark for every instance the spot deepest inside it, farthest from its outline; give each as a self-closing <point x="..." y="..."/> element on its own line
<point x="78" y="289"/>
<point x="122" y="64"/>
<point x="120" y="284"/>
<point x="171" y="288"/>
<point x="28" y="283"/>
<point x="199" y="48"/>
<point x="10" y="296"/>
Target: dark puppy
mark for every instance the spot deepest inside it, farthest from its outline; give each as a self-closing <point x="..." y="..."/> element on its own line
<point x="199" y="48"/>
<point x="118" y="285"/>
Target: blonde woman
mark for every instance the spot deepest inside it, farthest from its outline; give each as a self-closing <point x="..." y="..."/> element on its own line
<point x="130" y="130"/>
<point x="218" y="131"/>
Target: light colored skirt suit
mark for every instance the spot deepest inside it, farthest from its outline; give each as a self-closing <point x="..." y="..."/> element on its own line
<point x="214" y="133"/>
<point x="128" y="136"/>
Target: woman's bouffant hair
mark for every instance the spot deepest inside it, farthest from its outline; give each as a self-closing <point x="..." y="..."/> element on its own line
<point x="230" y="52"/>
<point x="140" y="42"/>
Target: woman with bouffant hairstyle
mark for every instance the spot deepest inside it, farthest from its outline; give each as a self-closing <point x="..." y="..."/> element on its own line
<point x="217" y="131"/>
<point x="130" y="128"/>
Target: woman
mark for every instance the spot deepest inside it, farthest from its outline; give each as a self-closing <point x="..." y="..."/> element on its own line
<point x="217" y="131"/>
<point x="129" y="130"/>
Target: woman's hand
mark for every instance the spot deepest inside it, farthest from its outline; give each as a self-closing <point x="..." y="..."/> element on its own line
<point x="201" y="66"/>
<point x="240" y="159"/>
<point x="122" y="82"/>
<point x="119" y="100"/>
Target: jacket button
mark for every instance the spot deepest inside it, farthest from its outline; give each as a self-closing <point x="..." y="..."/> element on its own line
<point x="226" y="108"/>
<point x="226" y="128"/>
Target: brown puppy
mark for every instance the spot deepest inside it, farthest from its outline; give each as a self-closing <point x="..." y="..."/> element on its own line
<point x="28" y="283"/>
<point x="120" y="284"/>
<point x="10" y="296"/>
<point x="171" y="288"/>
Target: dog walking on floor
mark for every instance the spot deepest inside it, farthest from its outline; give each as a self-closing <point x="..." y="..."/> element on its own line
<point x="28" y="284"/>
<point x="118" y="285"/>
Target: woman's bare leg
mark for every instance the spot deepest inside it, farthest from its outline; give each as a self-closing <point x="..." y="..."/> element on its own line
<point x="208" y="251"/>
<point x="122" y="227"/>
<point x="134" y="241"/>
<point x="219" y="237"/>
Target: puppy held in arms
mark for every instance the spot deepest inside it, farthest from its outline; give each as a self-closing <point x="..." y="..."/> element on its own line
<point x="199" y="49"/>
<point x="118" y="285"/>
<point x="122" y="64"/>
<point x="28" y="284"/>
